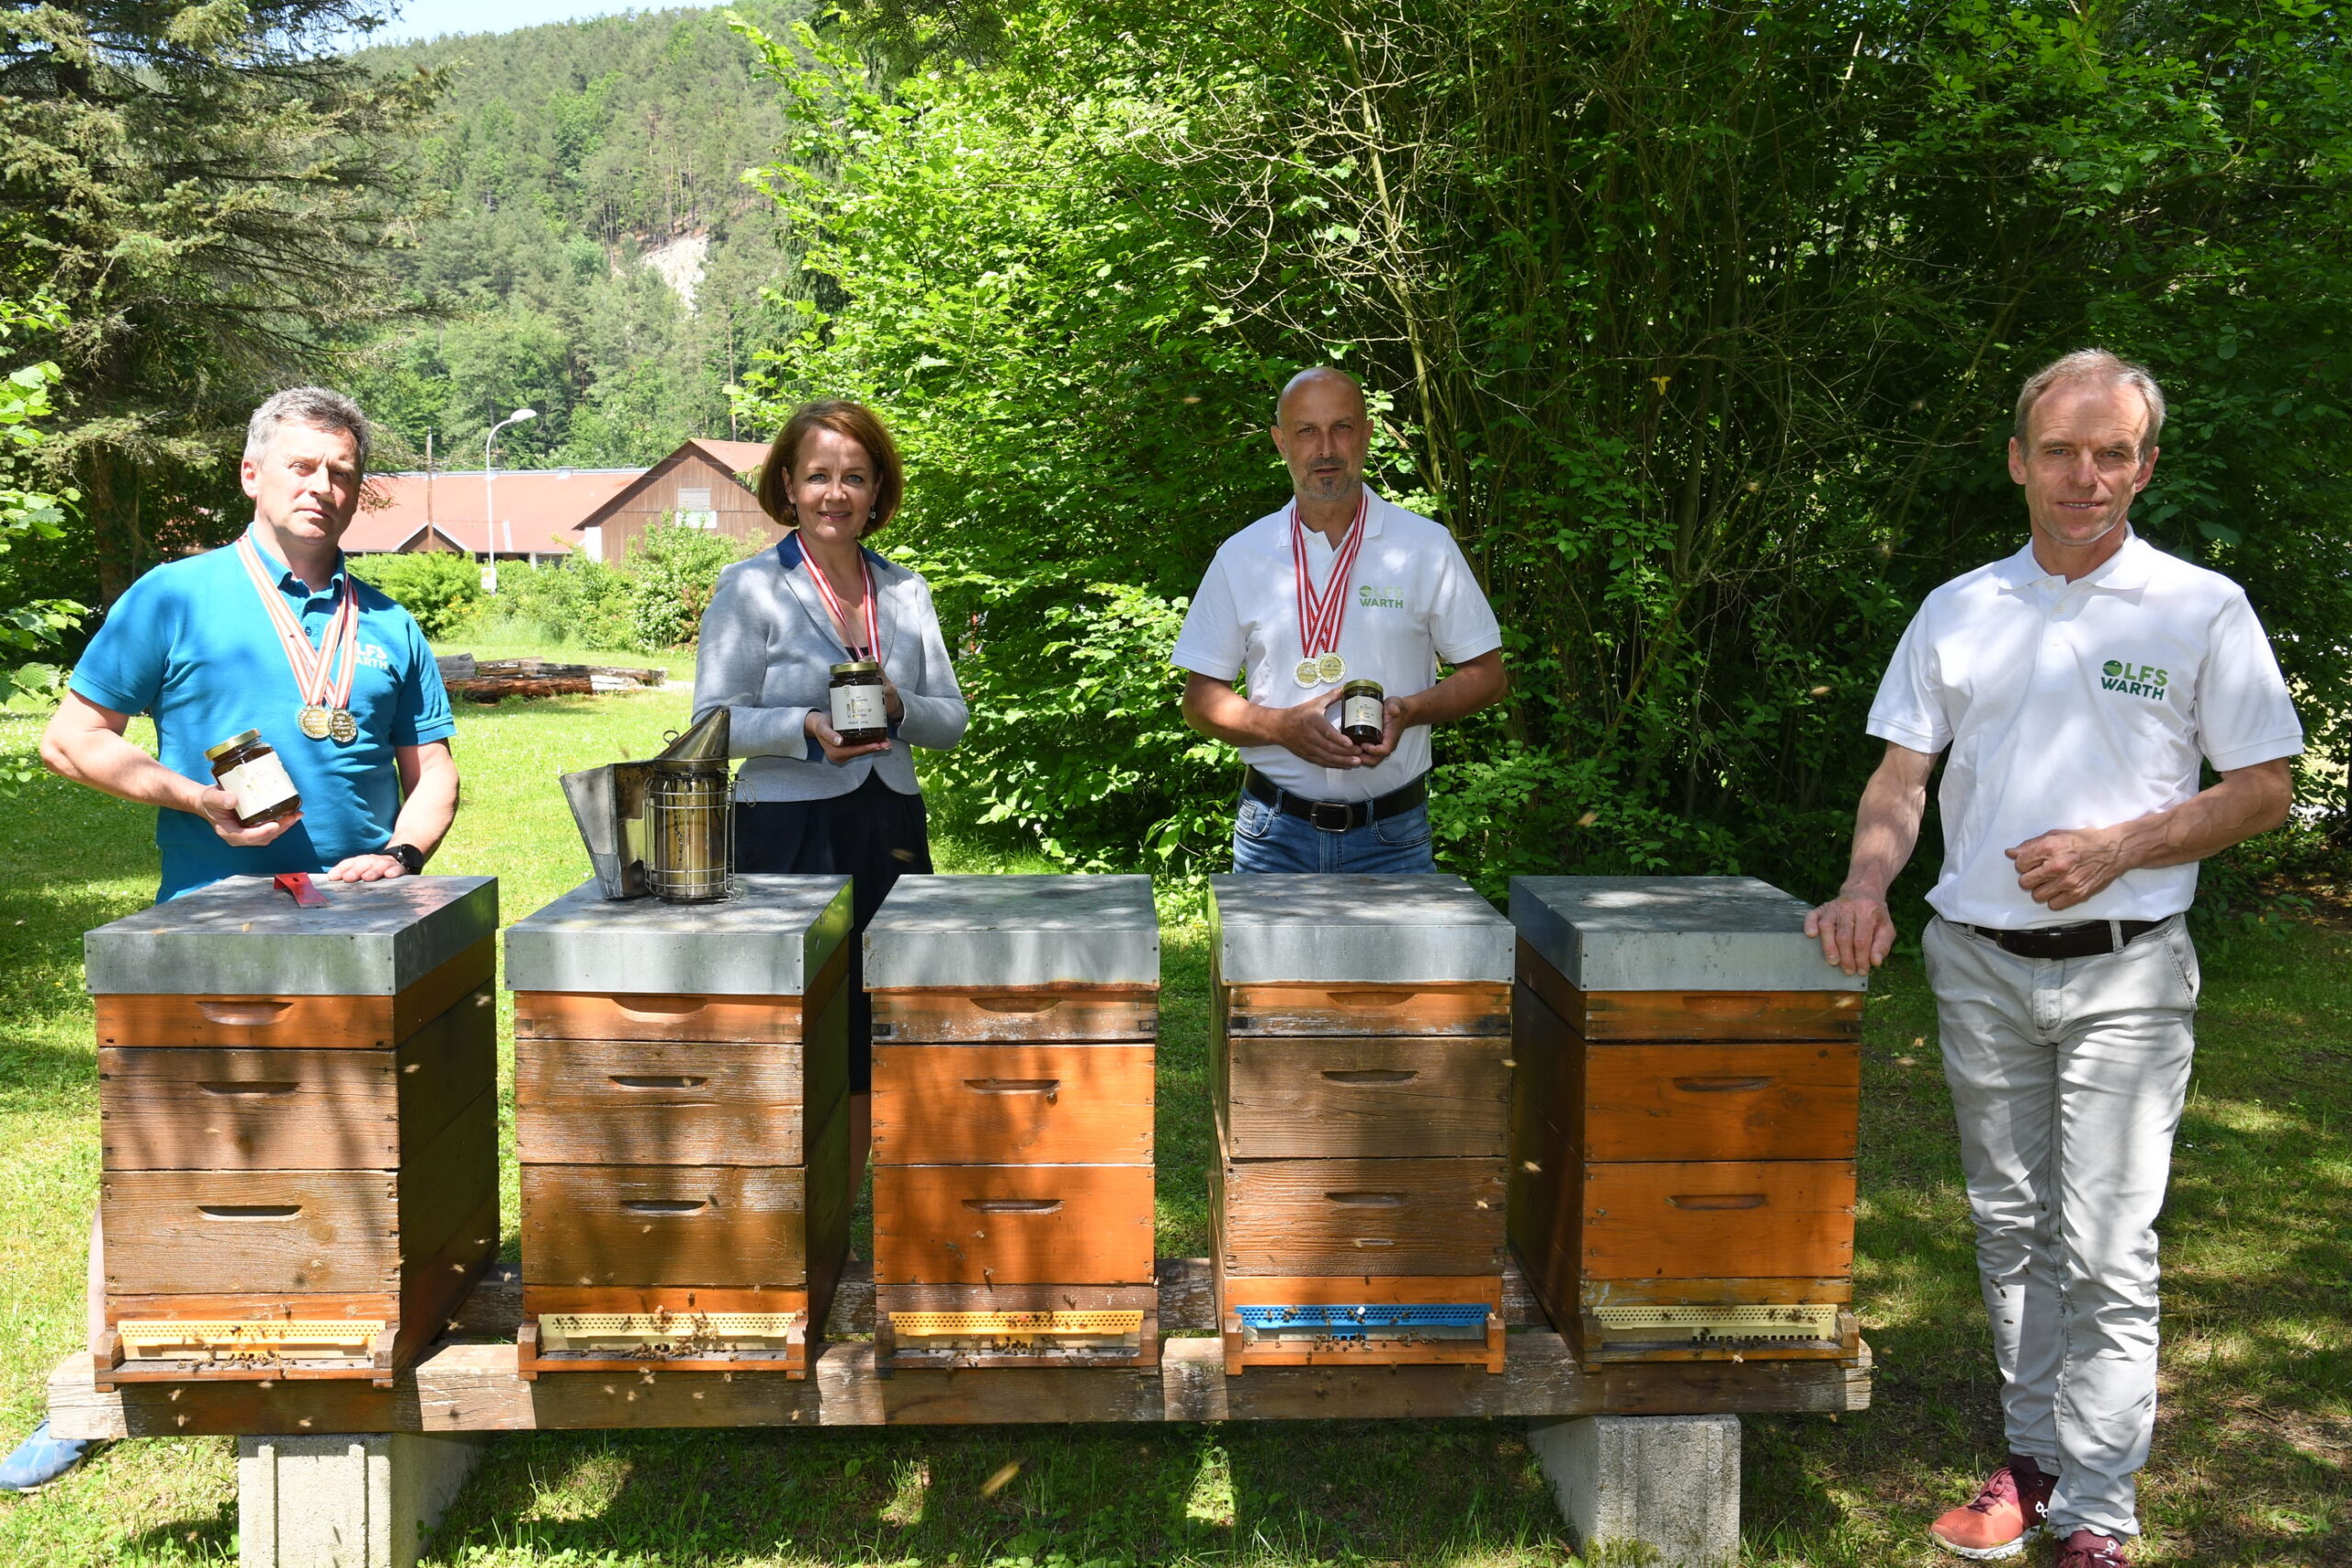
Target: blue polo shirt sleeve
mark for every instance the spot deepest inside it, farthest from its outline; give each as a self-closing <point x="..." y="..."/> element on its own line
<point x="420" y="708"/>
<point x="126" y="663"/>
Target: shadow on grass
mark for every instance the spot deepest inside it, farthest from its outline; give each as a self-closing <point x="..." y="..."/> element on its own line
<point x="1430" y="1492"/>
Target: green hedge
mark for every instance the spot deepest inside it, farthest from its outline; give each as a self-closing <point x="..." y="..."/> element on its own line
<point x="442" y="589"/>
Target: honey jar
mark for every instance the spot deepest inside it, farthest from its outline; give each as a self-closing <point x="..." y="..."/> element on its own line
<point x="1362" y="706"/>
<point x="859" y="714"/>
<point x="249" y="769"/>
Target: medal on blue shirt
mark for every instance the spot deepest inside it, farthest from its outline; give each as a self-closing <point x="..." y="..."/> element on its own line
<point x="326" y="692"/>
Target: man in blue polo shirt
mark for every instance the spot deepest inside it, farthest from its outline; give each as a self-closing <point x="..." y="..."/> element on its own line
<point x="351" y="702"/>
<point x="195" y="644"/>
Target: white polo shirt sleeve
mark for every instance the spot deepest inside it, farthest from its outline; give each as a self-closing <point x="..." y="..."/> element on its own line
<point x="1213" y="642"/>
<point x="1461" y="623"/>
<point x="1910" y="708"/>
<point x="2245" y="713"/>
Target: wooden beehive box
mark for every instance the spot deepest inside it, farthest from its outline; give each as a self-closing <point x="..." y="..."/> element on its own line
<point x="298" y="1126"/>
<point x="681" y="1115"/>
<point x="1683" y="1121"/>
<point x="1361" y="1075"/>
<point x="1015" y="1029"/>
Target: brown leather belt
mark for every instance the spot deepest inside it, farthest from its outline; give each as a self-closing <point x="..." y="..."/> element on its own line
<point x="2088" y="939"/>
<point x="1336" y="816"/>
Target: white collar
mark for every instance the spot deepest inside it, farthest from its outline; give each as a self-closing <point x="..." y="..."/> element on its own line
<point x="2127" y="569"/>
<point x="1376" y="509"/>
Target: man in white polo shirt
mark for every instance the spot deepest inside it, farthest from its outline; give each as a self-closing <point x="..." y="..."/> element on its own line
<point x="1339" y="586"/>
<point x="2077" y="685"/>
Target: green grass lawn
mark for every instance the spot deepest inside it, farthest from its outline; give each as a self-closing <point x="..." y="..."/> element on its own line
<point x="2251" y="1447"/>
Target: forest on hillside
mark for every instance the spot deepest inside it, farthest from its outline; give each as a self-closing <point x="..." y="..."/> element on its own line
<point x="583" y="241"/>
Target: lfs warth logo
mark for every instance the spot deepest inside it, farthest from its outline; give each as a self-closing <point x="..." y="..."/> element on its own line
<point x="2133" y="680"/>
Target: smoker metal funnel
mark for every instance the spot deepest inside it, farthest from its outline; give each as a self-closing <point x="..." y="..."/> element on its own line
<point x="704" y="742"/>
<point x="608" y="804"/>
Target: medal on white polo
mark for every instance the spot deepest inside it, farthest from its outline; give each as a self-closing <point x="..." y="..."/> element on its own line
<point x="322" y="675"/>
<point x="1320" y="617"/>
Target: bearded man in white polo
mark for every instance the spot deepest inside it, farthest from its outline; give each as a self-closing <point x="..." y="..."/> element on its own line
<point x="2077" y="685"/>
<point x="1337" y="587"/>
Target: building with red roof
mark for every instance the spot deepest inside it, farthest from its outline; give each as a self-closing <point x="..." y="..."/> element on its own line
<point x="546" y="513"/>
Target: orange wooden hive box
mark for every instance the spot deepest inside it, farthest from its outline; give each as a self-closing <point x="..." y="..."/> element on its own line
<point x="1015" y="1029"/>
<point x="1360" y="1057"/>
<point x="298" y="1126"/>
<point x="681" y="1115"/>
<point x="1683" y="1121"/>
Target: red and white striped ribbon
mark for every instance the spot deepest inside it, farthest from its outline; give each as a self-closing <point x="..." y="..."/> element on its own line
<point x="314" y="669"/>
<point x="833" y="603"/>
<point x="1320" y="617"/>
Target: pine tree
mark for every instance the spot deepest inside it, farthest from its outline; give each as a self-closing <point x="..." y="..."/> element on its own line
<point x="202" y="186"/>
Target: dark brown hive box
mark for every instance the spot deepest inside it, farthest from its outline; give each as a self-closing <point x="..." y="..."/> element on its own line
<point x="1361" y="1078"/>
<point x="298" y="1126"/>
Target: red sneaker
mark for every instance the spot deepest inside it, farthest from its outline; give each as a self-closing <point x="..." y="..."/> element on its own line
<point x="2005" y="1513"/>
<point x="2089" y="1548"/>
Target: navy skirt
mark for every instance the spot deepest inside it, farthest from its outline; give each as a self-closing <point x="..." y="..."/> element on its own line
<point x="874" y="836"/>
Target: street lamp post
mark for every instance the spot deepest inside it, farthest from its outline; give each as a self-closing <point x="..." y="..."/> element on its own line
<point x="488" y="494"/>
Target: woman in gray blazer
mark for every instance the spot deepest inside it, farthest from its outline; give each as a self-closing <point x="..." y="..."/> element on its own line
<point x="807" y="802"/>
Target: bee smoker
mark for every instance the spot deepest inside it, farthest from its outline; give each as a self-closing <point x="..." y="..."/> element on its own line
<point x="665" y="827"/>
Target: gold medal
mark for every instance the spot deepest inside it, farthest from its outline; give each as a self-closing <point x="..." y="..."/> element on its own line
<point x="314" y="721"/>
<point x="1308" y="674"/>
<point x="1332" y="667"/>
<point x="342" y="726"/>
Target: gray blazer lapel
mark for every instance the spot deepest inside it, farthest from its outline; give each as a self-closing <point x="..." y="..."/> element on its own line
<point x="795" y="577"/>
<point x="886" y="589"/>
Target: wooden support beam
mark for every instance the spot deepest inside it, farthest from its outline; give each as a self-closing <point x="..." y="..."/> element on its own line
<point x="473" y="1387"/>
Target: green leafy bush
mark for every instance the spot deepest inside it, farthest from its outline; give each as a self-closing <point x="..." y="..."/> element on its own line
<point x="28" y="510"/>
<point x="575" y="600"/>
<point x="1696" y="325"/>
<point x="676" y="570"/>
<point x="441" y="588"/>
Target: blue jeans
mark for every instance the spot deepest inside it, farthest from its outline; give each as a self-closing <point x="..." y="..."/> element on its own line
<point x="1265" y="839"/>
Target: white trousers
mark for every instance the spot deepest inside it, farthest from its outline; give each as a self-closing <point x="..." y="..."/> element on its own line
<point x="2067" y="1077"/>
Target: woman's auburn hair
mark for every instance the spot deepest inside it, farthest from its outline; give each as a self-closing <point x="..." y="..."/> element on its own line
<point x="842" y="417"/>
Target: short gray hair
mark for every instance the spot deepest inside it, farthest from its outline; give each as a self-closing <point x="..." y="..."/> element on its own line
<point x="318" y="406"/>
<point x="2092" y="364"/>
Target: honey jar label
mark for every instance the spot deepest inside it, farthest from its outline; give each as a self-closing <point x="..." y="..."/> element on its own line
<point x="856" y="708"/>
<point x="1361" y="713"/>
<point x="258" y="785"/>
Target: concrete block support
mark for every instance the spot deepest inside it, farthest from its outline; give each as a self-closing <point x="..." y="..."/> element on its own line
<point x="366" y="1500"/>
<point x="1659" y="1489"/>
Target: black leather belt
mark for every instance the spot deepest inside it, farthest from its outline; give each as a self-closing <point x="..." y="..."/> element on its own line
<point x="1336" y="816"/>
<point x="2088" y="940"/>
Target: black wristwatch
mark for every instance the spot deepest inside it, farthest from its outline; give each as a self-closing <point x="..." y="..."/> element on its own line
<point x="412" y="858"/>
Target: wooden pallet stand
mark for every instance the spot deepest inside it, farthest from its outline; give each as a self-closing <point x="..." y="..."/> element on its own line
<point x="1684" y="1119"/>
<point x="299" y="1128"/>
<point x="681" y="1115"/>
<point x="1362" y="1077"/>
<point x="1015" y="1021"/>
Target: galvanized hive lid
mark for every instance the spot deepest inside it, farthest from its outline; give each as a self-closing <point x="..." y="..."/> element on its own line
<point x="979" y="931"/>
<point x="1418" y="929"/>
<point x="770" y="940"/>
<point x="1672" y="933"/>
<point x="243" y="937"/>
